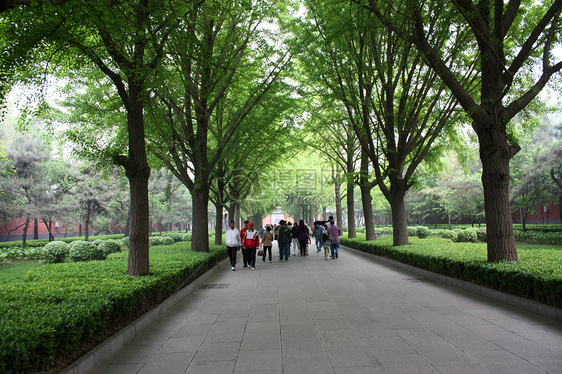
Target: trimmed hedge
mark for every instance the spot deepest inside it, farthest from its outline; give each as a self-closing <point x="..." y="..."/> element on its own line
<point x="60" y="311"/>
<point x="536" y="276"/>
<point x="55" y="252"/>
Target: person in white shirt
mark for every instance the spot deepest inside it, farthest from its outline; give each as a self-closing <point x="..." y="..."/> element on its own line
<point x="233" y="242"/>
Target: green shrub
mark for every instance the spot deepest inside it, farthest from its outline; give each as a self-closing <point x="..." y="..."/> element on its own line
<point x="450" y="234"/>
<point x="125" y="242"/>
<point x="412" y="230"/>
<point x="385" y="231"/>
<point x="97" y="242"/>
<point x="109" y="246"/>
<point x="537" y="275"/>
<point x="176" y="236"/>
<point x="482" y="235"/>
<point x="65" y="309"/>
<point x="154" y="240"/>
<point x="55" y="252"/>
<point x="467" y="236"/>
<point x="423" y="232"/>
<point x="186" y="237"/>
<point x="82" y="250"/>
<point x="166" y="240"/>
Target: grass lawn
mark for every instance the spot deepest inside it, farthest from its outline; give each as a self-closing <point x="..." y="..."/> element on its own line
<point x="16" y="271"/>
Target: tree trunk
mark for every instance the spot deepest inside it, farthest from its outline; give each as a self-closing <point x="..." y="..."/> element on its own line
<point x="449" y="220"/>
<point x="324" y="212"/>
<point x="337" y="195"/>
<point x="36" y="228"/>
<point x="138" y="172"/>
<point x="523" y="219"/>
<point x="399" y="221"/>
<point x="24" y="236"/>
<point x="87" y="221"/>
<point x="351" y="232"/>
<point x="138" y="264"/>
<point x="218" y="222"/>
<point x="200" y="233"/>
<point x="237" y="218"/>
<point x="367" y="199"/>
<point x="495" y="155"/>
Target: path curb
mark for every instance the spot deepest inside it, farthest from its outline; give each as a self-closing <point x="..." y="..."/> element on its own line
<point x="95" y="357"/>
<point x="517" y="301"/>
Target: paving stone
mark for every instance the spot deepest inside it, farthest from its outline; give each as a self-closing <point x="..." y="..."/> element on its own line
<point x="351" y="316"/>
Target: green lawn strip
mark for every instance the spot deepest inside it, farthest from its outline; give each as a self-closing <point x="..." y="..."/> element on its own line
<point x="16" y="271"/>
<point x="536" y="276"/>
<point x="59" y="311"/>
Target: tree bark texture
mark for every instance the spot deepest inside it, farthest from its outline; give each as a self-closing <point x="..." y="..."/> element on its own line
<point x="36" y="228"/>
<point x="366" y="198"/>
<point x="200" y="232"/>
<point x="24" y="235"/>
<point x="351" y="232"/>
<point x="495" y="154"/>
<point x="218" y="223"/>
<point x="399" y="222"/>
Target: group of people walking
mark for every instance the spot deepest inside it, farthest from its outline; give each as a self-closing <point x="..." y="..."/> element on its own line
<point x="288" y="236"/>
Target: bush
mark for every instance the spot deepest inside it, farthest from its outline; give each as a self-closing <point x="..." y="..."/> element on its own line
<point x="467" y="236"/>
<point x="412" y="230"/>
<point x="537" y="275"/>
<point x="125" y="242"/>
<point x="450" y="234"/>
<point x="166" y="240"/>
<point x="55" y="252"/>
<point x="423" y="232"/>
<point x="176" y="236"/>
<point x="109" y="246"/>
<point x="61" y="310"/>
<point x="482" y="235"/>
<point x="186" y="237"/>
<point x="14" y="253"/>
<point x="82" y="250"/>
<point x="154" y="240"/>
<point x="385" y="231"/>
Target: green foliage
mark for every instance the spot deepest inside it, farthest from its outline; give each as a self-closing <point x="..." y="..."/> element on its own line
<point x="82" y="250"/>
<point x="109" y="246"/>
<point x="176" y="236"/>
<point x="125" y="242"/>
<point x="537" y="275"/>
<point x="154" y="240"/>
<point x="166" y="240"/>
<point x="450" y="234"/>
<point x="55" y="252"/>
<point x="61" y="309"/>
<point x="423" y="232"/>
<point x="482" y="235"/>
<point x="186" y="237"/>
<point x="12" y="253"/>
<point x="467" y="236"/>
<point x="539" y="237"/>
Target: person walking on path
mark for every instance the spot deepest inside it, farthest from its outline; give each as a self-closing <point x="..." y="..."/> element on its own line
<point x="267" y="242"/>
<point x="232" y="240"/>
<point x="317" y="232"/>
<point x="250" y="241"/>
<point x="326" y="243"/>
<point x="334" y="233"/>
<point x="295" y="235"/>
<point x="242" y="232"/>
<point x="284" y="241"/>
<point x="302" y="236"/>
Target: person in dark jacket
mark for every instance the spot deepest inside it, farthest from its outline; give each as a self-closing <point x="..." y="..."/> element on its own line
<point x="284" y="241"/>
<point x="302" y="236"/>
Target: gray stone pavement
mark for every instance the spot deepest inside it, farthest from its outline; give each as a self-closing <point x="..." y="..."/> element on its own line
<point x="349" y="315"/>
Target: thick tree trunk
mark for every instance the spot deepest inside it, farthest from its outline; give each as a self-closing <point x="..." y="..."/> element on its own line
<point x="324" y="212"/>
<point x="337" y="196"/>
<point x="138" y="264"/>
<point x="351" y="232"/>
<point x="87" y="221"/>
<point x="200" y="233"/>
<point x="237" y="217"/>
<point x="399" y="221"/>
<point x="24" y="235"/>
<point x="495" y="154"/>
<point x="218" y="222"/>
<point x="138" y="172"/>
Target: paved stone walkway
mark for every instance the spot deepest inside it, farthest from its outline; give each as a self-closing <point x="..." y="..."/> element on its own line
<point x="349" y="315"/>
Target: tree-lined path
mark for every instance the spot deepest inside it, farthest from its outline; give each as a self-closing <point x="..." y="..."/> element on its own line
<point x="350" y="315"/>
